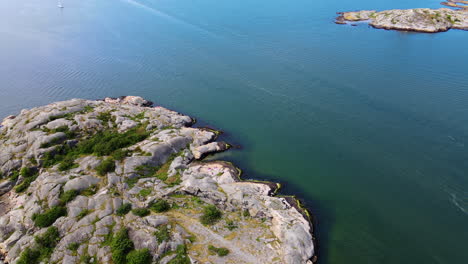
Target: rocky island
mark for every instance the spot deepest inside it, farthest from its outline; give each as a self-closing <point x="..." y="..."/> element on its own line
<point x="418" y="19"/>
<point x="119" y="181"/>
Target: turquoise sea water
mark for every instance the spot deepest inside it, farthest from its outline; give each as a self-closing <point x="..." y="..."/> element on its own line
<point x="369" y="127"/>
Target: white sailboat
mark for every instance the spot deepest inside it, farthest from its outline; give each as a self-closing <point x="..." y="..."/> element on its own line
<point x="59" y="5"/>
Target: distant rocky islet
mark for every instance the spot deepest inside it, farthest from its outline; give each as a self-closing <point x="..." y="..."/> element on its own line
<point x="417" y="19"/>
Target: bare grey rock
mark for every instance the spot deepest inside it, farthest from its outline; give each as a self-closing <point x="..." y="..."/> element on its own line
<point x="81" y="183"/>
<point x="6" y="186"/>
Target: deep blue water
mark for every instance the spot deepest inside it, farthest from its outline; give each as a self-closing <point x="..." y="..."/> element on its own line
<point x="369" y="127"/>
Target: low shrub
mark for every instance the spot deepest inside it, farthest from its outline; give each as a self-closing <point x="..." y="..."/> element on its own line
<point x="105" y="117"/>
<point x="141" y="256"/>
<point x="29" y="256"/>
<point x="24" y="185"/>
<point x="141" y="212"/>
<point x="124" y="209"/>
<point x="67" y="163"/>
<point x="45" y="246"/>
<point x="68" y="196"/>
<point x="131" y="182"/>
<point x="246" y="213"/>
<point x="120" y="246"/>
<point x="29" y="175"/>
<point x="105" y="143"/>
<point x="73" y="246"/>
<point x="14" y="175"/>
<point x="49" y="216"/>
<point x="160" y="206"/>
<point x="107" y="165"/>
<point x="100" y="144"/>
<point x="27" y="172"/>
<point x="211" y="215"/>
<point x="49" y="239"/>
<point x="120" y="154"/>
<point x="181" y="256"/>
<point x="230" y="225"/>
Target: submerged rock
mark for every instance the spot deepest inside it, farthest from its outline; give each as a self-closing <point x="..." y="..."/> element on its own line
<point x="91" y="169"/>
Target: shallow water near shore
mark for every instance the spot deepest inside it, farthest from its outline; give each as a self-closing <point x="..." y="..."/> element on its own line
<point x="369" y="127"/>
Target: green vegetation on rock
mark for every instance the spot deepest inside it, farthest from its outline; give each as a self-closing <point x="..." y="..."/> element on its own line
<point x="29" y="175"/>
<point x="68" y="196"/>
<point x="73" y="246"/>
<point x="91" y="190"/>
<point x="120" y="154"/>
<point x="211" y="215"/>
<point x="219" y="251"/>
<point x="141" y="256"/>
<point x="124" y="209"/>
<point x="144" y="192"/>
<point x="160" y="206"/>
<point x="142" y="212"/>
<point x="230" y="225"/>
<point x="103" y="143"/>
<point x="181" y="256"/>
<point x="67" y="163"/>
<point x="86" y="259"/>
<point x="105" y="117"/>
<point x="107" y="165"/>
<point x="49" y="216"/>
<point x="14" y="175"/>
<point x="45" y="246"/>
<point x="83" y="213"/>
<point x="120" y="246"/>
<point x="162" y="234"/>
<point x="29" y="256"/>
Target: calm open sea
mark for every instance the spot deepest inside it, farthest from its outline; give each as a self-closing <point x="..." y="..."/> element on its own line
<point x="369" y="127"/>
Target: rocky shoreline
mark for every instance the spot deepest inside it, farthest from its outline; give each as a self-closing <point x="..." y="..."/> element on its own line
<point x="418" y="19"/>
<point x="119" y="181"/>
